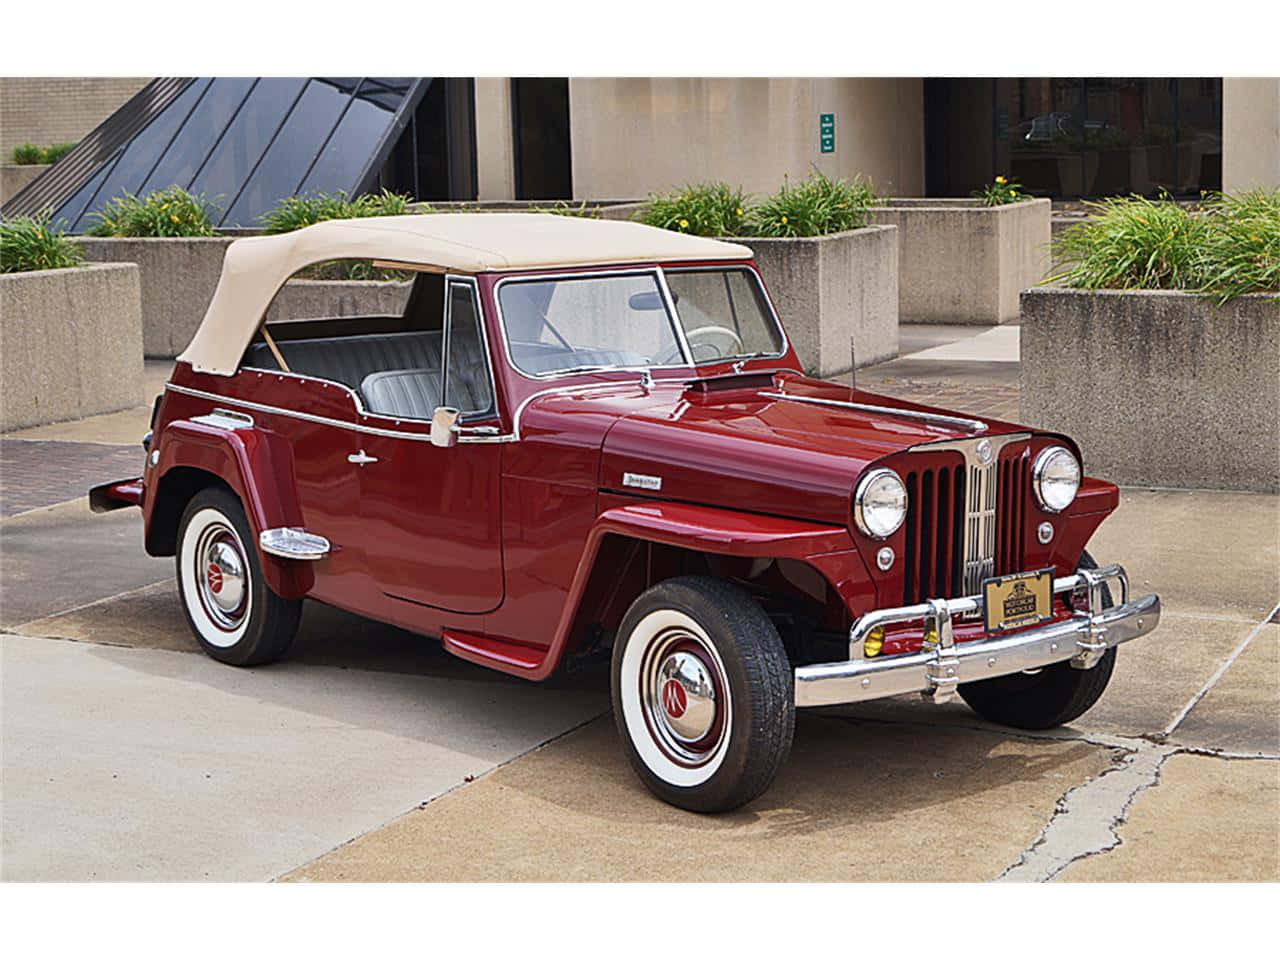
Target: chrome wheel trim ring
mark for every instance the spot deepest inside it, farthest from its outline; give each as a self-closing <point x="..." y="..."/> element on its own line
<point x="221" y="576"/>
<point x="667" y="746"/>
<point x="215" y="626"/>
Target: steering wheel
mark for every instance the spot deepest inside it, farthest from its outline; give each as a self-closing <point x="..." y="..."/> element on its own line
<point x="709" y="332"/>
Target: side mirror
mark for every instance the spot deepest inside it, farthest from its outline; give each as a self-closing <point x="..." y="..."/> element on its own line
<point x="442" y="427"/>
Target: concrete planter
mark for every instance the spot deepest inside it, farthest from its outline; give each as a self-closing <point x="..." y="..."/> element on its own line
<point x="15" y="176"/>
<point x="1158" y="387"/>
<point x="178" y="276"/>
<point x="70" y="344"/>
<point x="961" y="262"/>
<point x="837" y="295"/>
<point x="313" y="299"/>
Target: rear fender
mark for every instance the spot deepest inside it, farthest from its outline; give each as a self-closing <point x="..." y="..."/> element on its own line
<point x="255" y="464"/>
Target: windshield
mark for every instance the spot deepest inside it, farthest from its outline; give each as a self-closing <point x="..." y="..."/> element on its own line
<point x="570" y="324"/>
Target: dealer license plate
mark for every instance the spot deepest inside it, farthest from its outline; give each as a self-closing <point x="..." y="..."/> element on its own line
<point x="1018" y="600"/>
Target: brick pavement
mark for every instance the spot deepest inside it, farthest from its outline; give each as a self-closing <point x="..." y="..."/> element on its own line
<point x="40" y="473"/>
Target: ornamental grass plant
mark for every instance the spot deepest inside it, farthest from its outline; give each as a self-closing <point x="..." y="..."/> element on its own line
<point x="172" y="212"/>
<point x="704" y="210"/>
<point x="294" y="213"/>
<point x="1228" y="247"/>
<point x="1001" y="191"/>
<point x="32" y="243"/>
<point x="28" y="154"/>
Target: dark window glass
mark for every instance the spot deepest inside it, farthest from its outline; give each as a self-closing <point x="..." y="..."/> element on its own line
<point x="540" y="106"/>
<point x="242" y="145"/>
<point x="142" y="152"/>
<point x="344" y="157"/>
<point x="467" y="384"/>
<point x="69" y="213"/>
<point x="207" y="122"/>
<point x="290" y="155"/>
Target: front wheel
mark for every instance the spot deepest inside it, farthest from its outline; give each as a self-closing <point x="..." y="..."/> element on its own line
<point x="232" y="612"/>
<point x="703" y="693"/>
<point x="1044" y="698"/>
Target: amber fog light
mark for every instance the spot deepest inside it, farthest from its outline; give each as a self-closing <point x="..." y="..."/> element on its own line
<point x="872" y="646"/>
<point x="880" y="503"/>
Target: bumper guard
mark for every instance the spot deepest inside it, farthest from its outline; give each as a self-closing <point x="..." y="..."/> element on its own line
<point x="942" y="665"/>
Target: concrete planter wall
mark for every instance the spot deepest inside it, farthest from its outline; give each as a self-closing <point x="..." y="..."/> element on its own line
<point x="961" y="262"/>
<point x="178" y="276"/>
<point x="837" y="295"/>
<point x="1157" y="387"/>
<point x="70" y="344"/>
<point x="15" y="176"/>
<point x="312" y="299"/>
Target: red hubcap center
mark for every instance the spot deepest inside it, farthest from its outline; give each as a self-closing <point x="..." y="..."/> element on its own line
<point x="214" y="576"/>
<point x="674" y="699"/>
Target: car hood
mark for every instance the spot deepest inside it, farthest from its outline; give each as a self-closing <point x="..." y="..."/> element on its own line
<point x="780" y="444"/>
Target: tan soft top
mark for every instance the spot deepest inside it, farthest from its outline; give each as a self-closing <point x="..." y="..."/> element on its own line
<point x="255" y="268"/>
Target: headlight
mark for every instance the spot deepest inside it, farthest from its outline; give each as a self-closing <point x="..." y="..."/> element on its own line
<point x="880" y="503"/>
<point x="1056" y="477"/>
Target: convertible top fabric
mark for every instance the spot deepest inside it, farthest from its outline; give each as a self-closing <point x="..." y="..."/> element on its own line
<point x="256" y="267"/>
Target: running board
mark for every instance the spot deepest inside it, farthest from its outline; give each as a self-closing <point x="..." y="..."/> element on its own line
<point x="293" y="543"/>
<point x="513" y="658"/>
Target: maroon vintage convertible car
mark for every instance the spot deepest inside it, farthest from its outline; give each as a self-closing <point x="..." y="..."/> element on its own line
<point x="582" y="436"/>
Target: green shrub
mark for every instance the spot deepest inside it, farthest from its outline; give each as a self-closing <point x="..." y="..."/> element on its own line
<point x="814" y="207"/>
<point x="1000" y="192"/>
<point x="172" y="212"/>
<point x="293" y="213"/>
<point x="704" y="210"/>
<point x="1228" y="248"/>
<point x="565" y="209"/>
<point x="1241" y="253"/>
<point x="31" y="243"/>
<point x="29" y="153"/>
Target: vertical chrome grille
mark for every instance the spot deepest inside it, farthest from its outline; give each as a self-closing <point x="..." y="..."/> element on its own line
<point x="963" y="522"/>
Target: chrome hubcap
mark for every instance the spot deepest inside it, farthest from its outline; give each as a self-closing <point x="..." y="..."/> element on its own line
<point x="221" y="576"/>
<point x="680" y="692"/>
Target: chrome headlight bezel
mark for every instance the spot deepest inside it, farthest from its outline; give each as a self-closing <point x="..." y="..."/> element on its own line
<point x="866" y="504"/>
<point x="1046" y="460"/>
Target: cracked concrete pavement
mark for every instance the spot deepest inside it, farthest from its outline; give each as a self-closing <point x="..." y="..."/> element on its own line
<point x="372" y="755"/>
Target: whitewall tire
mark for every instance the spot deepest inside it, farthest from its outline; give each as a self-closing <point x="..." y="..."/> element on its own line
<point x="702" y="693"/>
<point x="233" y="613"/>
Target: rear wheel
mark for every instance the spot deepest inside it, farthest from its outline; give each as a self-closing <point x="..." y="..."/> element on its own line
<point x="703" y="693"/>
<point x="232" y="612"/>
<point x="1044" y="698"/>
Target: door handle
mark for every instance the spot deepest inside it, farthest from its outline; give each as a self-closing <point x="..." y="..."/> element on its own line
<point x="360" y="458"/>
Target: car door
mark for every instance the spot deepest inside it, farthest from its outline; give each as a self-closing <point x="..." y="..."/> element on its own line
<point x="431" y="517"/>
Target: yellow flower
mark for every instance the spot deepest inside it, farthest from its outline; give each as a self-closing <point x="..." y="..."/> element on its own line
<point x="739" y="211"/>
<point x="1001" y="180"/>
<point x="1254" y="238"/>
<point x="784" y="218"/>
<point x="173" y="218"/>
<point x="683" y="224"/>
<point x="164" y="206"/>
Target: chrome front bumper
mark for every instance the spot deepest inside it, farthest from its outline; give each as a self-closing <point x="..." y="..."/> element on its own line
<point x="941" y="665"/>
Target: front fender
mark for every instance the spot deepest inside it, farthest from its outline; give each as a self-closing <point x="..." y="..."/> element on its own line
<point x="258" y="467"/>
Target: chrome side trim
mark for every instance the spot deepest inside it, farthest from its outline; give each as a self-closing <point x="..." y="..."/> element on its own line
<point x="974" y="426"/>
<point x="226" y="419"/>
<point x="383" y="431"/>
<point x="942" y="665"/>
<point x="293" y="543"/>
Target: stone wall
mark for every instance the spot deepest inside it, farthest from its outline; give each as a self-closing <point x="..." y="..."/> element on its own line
<point x="1158" y="387"/>
<point x="961" y="262"/>
<point x="837" y="295"/>
<point x="70" y="344"/>
<point x="15" y="176"/>
<point x="179" y="275"/>
<point x="316" y="299"/>
<point x="49" y="110"/>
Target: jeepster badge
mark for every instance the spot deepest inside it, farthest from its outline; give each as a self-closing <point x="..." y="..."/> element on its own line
<point x="642" y="480"/>
<point x="984" y="451"/>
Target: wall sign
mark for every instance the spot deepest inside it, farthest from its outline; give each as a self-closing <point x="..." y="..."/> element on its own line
<point x="827" y="132"/>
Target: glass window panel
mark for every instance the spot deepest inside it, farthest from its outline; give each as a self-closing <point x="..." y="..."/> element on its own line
<point x="193" y="142"/>
<point x="724" y="314"/>
<point x="614" y="321"/>
<point x="1199" y="139"/>
<point x="291" y="153"/>
<point x="1044" y="117"/>
<point x="142" y="152"/>
<point x="242" y="145"/>
<point x="70" y="211"/>
<point x="467" y="385"/>
<point x="343" y="158"/>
